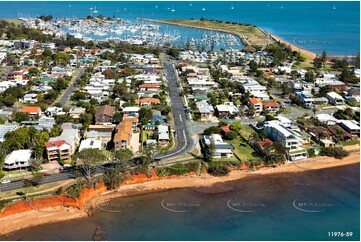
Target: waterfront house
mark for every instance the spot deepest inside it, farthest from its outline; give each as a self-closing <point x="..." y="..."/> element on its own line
<point x="18" y="159"/>
<point x="350" y="126"/>
<point x="58" y="150"/>
<point x="222" y="149"/>
<point x="123" y="135"/>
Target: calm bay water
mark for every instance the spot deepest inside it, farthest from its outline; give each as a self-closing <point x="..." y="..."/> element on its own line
<point x="303" y="206"/>
<point x="316" y="26"/>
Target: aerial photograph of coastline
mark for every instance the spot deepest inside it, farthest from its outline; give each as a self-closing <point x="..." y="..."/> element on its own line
<point x="180" y="120"/>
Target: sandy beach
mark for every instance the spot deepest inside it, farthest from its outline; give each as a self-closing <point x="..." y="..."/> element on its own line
<point x="205" y="183"/>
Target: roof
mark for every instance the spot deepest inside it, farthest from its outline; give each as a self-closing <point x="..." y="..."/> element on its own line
<point x="28" y="109"/>
<point x="226" y="129"/>
<point x="149" y="86"/>
<point x="147" y="100"/>
<point x="90" y="144"/>
<point x="105" y="109"/>
<point x="319" y="130"/>
<point x="265" y="141"/>
<point x="18" y="155"/>
<point x="56" y="143"/>
<point x="124" y="130"/>
<point x="255" y="101"/>
<point x="270" y="104"/>
<point x="337" y="131"/>
<point x="130" y="119"/>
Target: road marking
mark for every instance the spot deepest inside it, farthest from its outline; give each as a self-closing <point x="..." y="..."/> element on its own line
<point x="180" y="117"/>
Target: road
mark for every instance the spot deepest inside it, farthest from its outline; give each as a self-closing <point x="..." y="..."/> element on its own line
<point x="183" y="135"/>
<point x="47" y="179"/>
<point x="70" y="89"/>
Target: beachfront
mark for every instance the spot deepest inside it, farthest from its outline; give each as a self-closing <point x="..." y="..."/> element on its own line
<point x="142" y="185"/>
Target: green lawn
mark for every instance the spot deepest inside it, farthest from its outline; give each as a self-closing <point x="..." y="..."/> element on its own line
<point x="146" y="134"/>
<point x="246" y="131"/>
<point x="351" y="142"/>
<point x="244" y="151"/>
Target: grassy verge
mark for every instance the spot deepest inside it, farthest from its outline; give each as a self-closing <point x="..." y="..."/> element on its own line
<point x="244" y="151"/>
<point x="351" y="142"/>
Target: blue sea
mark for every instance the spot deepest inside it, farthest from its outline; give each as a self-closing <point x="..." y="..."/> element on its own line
<point x="316" y="26"/>
<point x="283" y="207"/>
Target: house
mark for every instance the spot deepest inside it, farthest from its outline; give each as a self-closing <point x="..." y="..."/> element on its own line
<point x="271" y="107"/>
<point x="291" y="140"/>
<point x="259" y="146"/>
<point x="18" y="159"/>
<point x="40" y="124"/>
<point x="104" y="115"/>
<point x="353" y="95"/>
<point x="123" y="135"/>
<point x="339" y="134"/>
<point x="206" y="110"/>
<point x="256" y="105"/>
<point x="132" y="120"/>
<point x="4" y="128"/>
<point x="149" y="87"/>
<point x="58" y="150"/>
<point x="15" y="76"/>
<point x="76" y="112"/>
<point x="226" y="110"/>
<point x="100" y="132"/>
<point x="225" y="129"/>
<point x="53" y="111"/>
<point x="306" y="99"/>
<point x="350" y="126"/>
<point x="131" y="111"/>
<point x="90" y="144"/>
<point x="321" y="135"/>
<point x="335" y="98"/>
<point x="32" y="111"/>
<point x="221" y="148"/>
<point x="30" y="98"/>
<point x="326" y="118"/>
<point x="71" y="137"/>
<point x="145" y="102"/>
<point x="163" y="134"/>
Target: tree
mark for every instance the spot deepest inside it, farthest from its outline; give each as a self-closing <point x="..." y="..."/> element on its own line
<point x="91" y="158"/>
<point x="37" y="178"/>
<point x="34" y="72"/>
<point x="112" y="179"/>
<point x="236" y="126"/>
<point x="20" y="116"/>
<point x="209" y="151"/>
<point x="145" y="114"/>
<point x="230" y="135"/>
<point x="212" y="130"/>
<point x="62" y="58"/>
<point x="124" y="155"/>
<point x="117" y="118"/>
<point x="218" y="169"/>
<point x="310" y="76"/>
<point x="324" y="58"/>
<point x="109" y="74"/>
<point x="39" y="143"/>
<point x="148" y="153"/>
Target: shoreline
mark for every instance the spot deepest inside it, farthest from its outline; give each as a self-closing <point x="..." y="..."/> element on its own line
<point x="204" y="183"/>
<point x="308" y="54"/>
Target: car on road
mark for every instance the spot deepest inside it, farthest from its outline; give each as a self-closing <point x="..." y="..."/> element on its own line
<point x="46" y="174"/>
<point x="5" y="181"/>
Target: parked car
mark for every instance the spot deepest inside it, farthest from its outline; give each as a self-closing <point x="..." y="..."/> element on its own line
<point x="5" y="181"/>
<point x="46" y="174"/>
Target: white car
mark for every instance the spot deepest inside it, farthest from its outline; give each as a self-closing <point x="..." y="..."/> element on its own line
<point x="5" y="181"/>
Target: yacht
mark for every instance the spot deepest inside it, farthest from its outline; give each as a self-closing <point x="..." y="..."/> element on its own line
<point x="334" y="7"/>
<point x="95" y="9"/>
<point x="203" y="9"/>
<point x="172" y="10"/>
<point x="232" y="7"/>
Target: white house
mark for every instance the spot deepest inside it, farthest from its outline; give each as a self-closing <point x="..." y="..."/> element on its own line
<point x="90" y="144"/>
<point x="335" y="98"/>
<point x="18" y="159"/>
<point x="30" y="98"/>
<point x="222" y="149"/>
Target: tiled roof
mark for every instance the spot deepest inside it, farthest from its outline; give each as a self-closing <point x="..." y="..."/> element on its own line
<point x="52" y="144"/>
<point x="29" y="109"/>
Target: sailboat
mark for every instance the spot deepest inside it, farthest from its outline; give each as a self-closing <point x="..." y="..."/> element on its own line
<point x="334" y="7"/>
<point x="190" y="4"/>
<point x="203" y="9"/>
<point x="95" y="9"/>
<point x="232" y="7"/>
<point x="172" y="9"/>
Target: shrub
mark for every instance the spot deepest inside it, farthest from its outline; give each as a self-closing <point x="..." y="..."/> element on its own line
<point x="336" y="152"/>
<point x="230" y="135"/>
<point x="178" y="169"/>
<point x="58" y="191"/>
<point x="2" y="174"/>
<point x="112" y="179"/>
<point x="218" y="169"/>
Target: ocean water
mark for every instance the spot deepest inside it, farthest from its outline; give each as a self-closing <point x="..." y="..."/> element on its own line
<point x="316" y="26"/>
<point x="283" y="207"/>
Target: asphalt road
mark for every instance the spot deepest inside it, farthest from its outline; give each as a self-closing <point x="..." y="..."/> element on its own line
<point x="183" y="134"/>
<point x="47" y="179"/>
<point x="70" y="89"/>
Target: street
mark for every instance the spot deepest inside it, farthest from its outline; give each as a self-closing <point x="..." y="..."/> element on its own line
<point x="70" y="89"/>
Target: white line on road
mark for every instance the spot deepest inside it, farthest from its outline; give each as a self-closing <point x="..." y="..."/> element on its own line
<point x="180" y="117"/>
